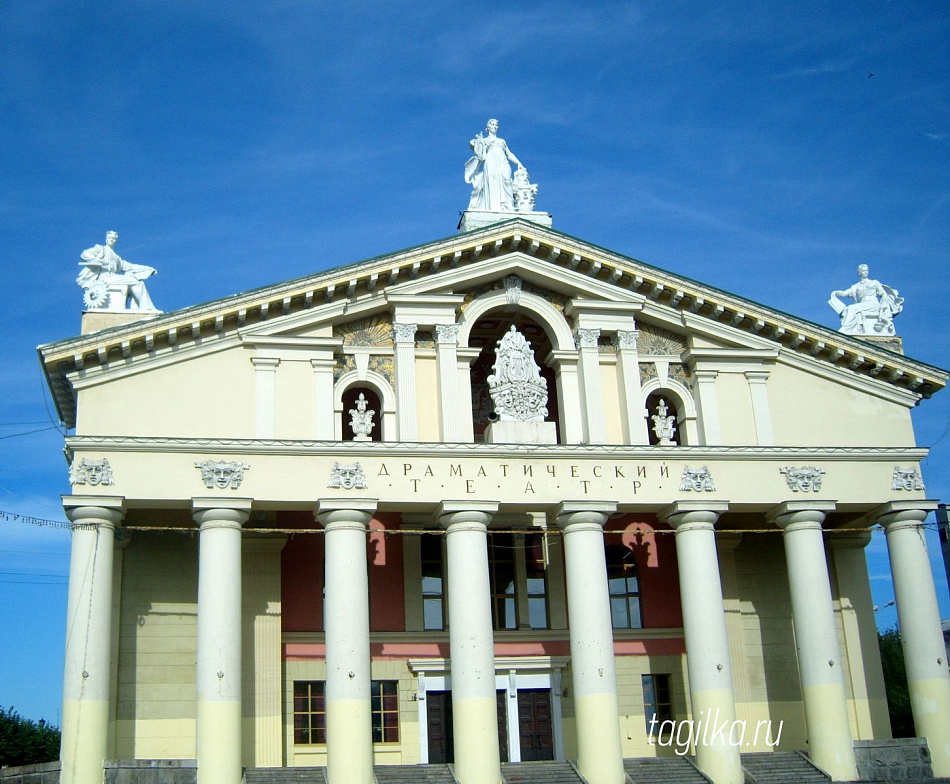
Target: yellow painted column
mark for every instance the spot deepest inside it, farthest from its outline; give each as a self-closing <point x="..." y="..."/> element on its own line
<point x="599" y="753"/>
<point x="218" y="674"/>
<point x="816" y="638"/>
<point x="925" y="657"/>
<point x="707" y="643"/>
<point x="86" y="678"/>
<point x="471" y="642"/>
<point x="346" y="623"/>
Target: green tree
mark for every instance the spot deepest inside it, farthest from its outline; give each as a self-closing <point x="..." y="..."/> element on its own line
<point x="895" y="684"/>
<point x="26" y="742"/>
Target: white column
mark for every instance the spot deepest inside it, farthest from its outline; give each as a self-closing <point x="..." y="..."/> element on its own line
<point x="816" y="637"/>
<point x="346" y="624"/>
<point x="595" y="429"/>
<point x="925" y="657"/>
<point x="761" y="412"/>
<point x="405" y="337"/>
<point x="446" y="360"/>
<point x="88" y="667"/>
<point x="324" y="425"/>
<point x="466" y="356"/>
<point x="628" y="363"/>
<point x="471" y="643"/>
<point x="704" y="626"/>
<point x="568" y="396"/>
<point x="219" y="720"/>
<point x="265" y="396"/>
<point x="708" y="406"/>
<point x="599" y="754"/>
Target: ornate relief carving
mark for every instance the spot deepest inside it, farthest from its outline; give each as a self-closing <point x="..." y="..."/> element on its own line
<point x="371" y="331"/>
<point x="405" y="333"/>
<point x="698" y="479"/>
<point x="559" y="301"/>
<point x="625" y="339"/>
<point x="361" y="419"/>
<point x="474" y="293"/>
<point x="447" y="333"/>
<point x="516" y="387"/>
<point x="344" y="364"/>
<point x="513" y="289"/>
<point x="907" y="479"/>
<point x="664" y="426"/>
<point x="647" y="371"/>
<point x="805" y="479"/>
<point x="658" y="342"/>
<point x="347" y="477"/>
<point x="91" y="472"/>
<point x="385" y="366"/>
<point x="681" y="373"/>
<point x="222" y="474"/>
<point x="586" y="338"/>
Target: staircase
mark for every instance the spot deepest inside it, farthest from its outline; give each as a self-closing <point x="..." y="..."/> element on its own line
<point x="414" y="774"/>
<point x="550" y="772"/>
<point x="781" y="767"/>
<point x="662" y="770"/>
<point x="286" y="776"/>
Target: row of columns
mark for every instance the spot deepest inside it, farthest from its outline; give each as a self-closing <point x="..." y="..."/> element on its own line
<point x="348" y="678"/>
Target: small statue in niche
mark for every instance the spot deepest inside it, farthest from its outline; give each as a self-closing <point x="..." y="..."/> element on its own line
<point x="663" y="425"/>
<point x="874" y="308"/>
<point x="516" y="387"/>
<point x="361" y="420"/>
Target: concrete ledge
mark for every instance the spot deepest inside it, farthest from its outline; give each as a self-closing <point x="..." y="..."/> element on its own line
<point x="44" y="773"/>
<point x="900" y="759"/>
<point x="131" y="771"/>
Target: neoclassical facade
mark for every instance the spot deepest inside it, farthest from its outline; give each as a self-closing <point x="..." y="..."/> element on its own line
<point x="301" y="540"/>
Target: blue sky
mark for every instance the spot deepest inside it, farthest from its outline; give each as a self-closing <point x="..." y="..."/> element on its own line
<point x="763" y="148"/>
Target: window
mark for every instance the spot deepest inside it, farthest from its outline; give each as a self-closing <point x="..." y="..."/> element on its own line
<point x="433" y="581"/>
<point x="624" y="588"/>
<point x="501" y="565"/>
<point x="536" y="582"/>
<point x="385" y="700"/>
<point x="310" y="712"/>
<point x="310" y="717"/>
<point x="657" y="701"/>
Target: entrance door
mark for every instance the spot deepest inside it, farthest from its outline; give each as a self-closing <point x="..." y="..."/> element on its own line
<point x="501" y="697"/>
<point x="439" y="713"/>
<point x="535" y="727"/>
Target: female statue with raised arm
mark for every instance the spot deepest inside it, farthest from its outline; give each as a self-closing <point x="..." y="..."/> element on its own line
<point x="489" y="172"/>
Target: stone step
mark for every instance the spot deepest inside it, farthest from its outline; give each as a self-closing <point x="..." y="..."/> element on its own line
<point x="285" y="776"/>
<point x="779" y="767"/>
<point x="414" y="774"/>
<point x="548" y="772"/>
<point x="663" y="770"/>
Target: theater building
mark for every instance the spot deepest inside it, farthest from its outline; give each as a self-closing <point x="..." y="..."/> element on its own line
<point x="301" y="538"/>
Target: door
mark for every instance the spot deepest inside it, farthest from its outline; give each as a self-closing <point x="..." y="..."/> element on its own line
<point x="439" y="715"/>
<point x="535" y="728"/>
<point x="501" y="697"/>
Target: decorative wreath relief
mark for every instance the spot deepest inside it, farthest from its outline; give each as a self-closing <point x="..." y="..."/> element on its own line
<point x="222" y="474"/>
<point x="807" y="478"/>
<point x="698" y="479"/>
<point x="907" y="479"/>
<point x="348" y="477"/>
<point x="91" y="472"/>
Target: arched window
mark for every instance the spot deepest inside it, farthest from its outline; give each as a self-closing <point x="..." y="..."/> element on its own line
<point x="351" y="401"/>
<point x="658" y="402"/>
<point x="624" y="588"/>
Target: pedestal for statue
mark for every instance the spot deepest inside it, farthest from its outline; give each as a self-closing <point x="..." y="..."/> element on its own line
<point x="476" y="219"/>
<point x="521" y="433"/>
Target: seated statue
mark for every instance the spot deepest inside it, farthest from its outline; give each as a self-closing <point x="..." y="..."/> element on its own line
<point x="874" y="308"/>
<point x="109" y="282"/>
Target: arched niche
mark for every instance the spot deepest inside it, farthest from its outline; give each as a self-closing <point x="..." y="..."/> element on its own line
<point x="678" y="397"/>
<point x="548" y="317"/>
<point x="384" y="392"/>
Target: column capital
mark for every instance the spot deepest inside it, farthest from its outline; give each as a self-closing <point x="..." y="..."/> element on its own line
<point x="800" y="514"/>
<point x="265" y="363"/>
<point x="626" y="339"/>
<point x="571" y="513"/>
<point x="902" y="512"/>
<point x="478" y="513"/>
<point x="447" y="333"/>
<point x="705" y="513"/>
<point x="404" y="333"/>
<point x="357" y="511"/>
<point x="757" y="376"/>
<point x="586" y="338"/>
<point x="92" y="509"/>
<point x="220" y="512"/>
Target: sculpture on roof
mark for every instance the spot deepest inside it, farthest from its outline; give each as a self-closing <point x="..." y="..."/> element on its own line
<point x="874" y="308"/>
<point x="109" y="282"/>
<point x="516" y="387"/>
<point x="488" y="171"/>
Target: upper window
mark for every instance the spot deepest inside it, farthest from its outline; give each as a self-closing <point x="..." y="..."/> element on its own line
<point x="518" y="602"/>
<point x="433" y="582"/>
<point x="501" y="564"/>
<point x="624" y="588"/>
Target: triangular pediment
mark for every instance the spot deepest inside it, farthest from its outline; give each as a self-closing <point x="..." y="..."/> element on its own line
<point x="347" y="305"/>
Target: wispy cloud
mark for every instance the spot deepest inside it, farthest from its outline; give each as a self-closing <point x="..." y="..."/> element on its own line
<point x="817" y="70"/>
